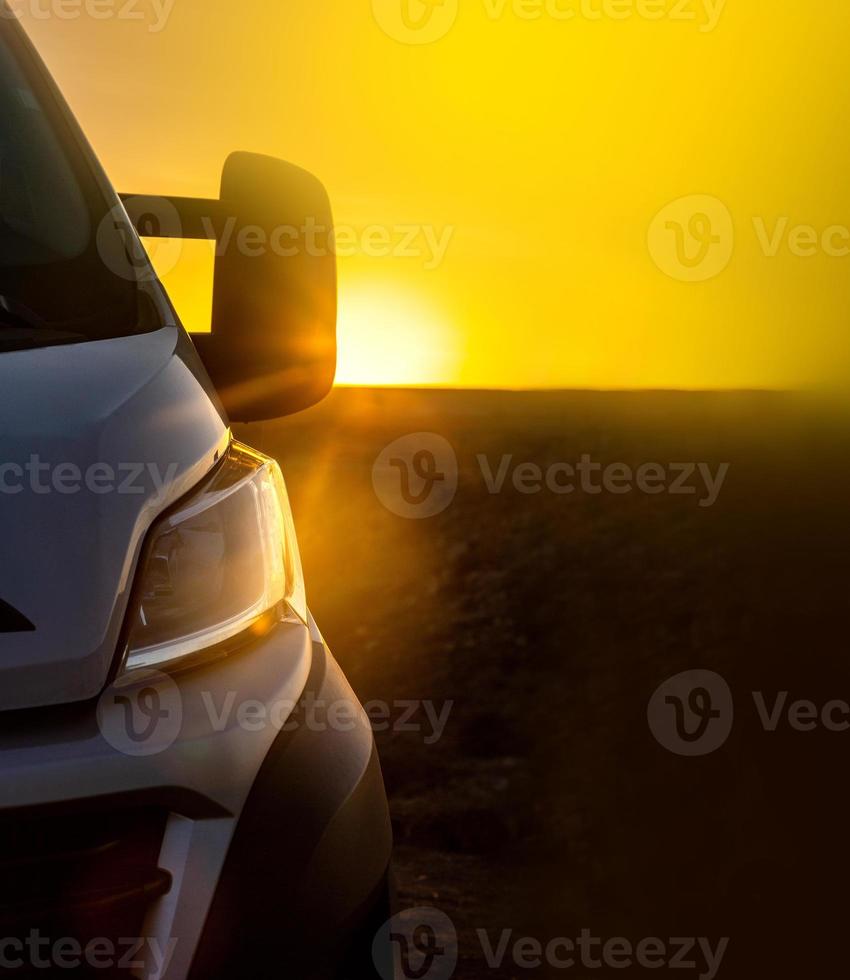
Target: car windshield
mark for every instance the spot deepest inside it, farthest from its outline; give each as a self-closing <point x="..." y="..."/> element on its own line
<point x="65" y="272"/>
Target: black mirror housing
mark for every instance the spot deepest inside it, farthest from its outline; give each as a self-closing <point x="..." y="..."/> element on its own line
<point x="272" y="349"/>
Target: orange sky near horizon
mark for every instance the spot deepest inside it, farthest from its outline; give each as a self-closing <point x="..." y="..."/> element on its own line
<point x="536" y="148"/>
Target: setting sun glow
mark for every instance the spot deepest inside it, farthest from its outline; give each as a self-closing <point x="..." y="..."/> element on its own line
<point x="393" y="338"/>
<point x="505" y="177"/>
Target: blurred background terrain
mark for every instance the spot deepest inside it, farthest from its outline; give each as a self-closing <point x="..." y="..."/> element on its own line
<point x="547" y="806"/>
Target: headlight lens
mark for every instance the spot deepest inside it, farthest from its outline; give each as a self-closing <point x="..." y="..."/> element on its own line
<point x="221" y="568"/>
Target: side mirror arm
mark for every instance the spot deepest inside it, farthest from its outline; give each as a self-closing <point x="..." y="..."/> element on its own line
<point x="195" y="218"/>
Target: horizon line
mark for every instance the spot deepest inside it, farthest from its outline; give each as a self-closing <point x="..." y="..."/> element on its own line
<point x="555" y="389"/>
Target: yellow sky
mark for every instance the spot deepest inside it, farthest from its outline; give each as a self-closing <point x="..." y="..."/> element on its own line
<point x="533" y="143"/>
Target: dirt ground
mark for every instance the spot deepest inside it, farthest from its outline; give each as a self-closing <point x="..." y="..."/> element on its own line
<point x="547" y="806"/>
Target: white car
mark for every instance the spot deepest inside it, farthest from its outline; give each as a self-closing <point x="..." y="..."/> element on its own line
<point x="188" y="786"/>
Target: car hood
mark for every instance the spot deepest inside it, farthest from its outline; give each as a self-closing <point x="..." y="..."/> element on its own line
<point x="96" y="440"/>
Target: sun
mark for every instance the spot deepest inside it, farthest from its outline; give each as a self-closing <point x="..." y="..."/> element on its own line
<point x="390" y="337"/>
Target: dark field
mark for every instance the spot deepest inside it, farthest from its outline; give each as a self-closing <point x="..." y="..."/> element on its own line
<point x="548" y="807"/>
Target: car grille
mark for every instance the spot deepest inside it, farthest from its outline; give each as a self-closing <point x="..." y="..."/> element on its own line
<point x="82" y="877"/>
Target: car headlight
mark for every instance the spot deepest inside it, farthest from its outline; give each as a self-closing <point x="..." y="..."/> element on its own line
<point x="221" y="568"/>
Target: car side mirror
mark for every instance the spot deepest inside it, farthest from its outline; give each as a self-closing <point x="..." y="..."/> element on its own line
<point x="272" y="349"/>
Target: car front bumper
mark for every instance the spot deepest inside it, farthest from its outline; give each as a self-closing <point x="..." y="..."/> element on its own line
<point x="276" y="831"/>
